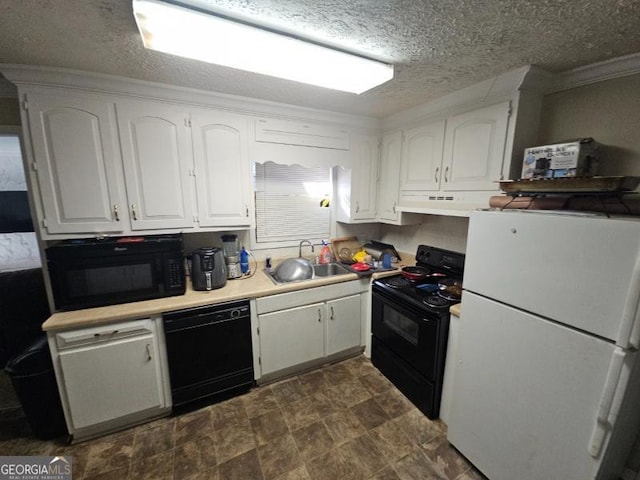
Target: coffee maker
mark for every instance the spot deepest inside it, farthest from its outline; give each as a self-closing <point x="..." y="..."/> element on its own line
<point x="231" y="249"/>
<point x="208" y="270"/>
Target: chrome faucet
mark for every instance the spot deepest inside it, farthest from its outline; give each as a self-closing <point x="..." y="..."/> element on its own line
<point x="300" y="247"/>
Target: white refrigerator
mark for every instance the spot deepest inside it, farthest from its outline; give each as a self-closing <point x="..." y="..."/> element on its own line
<point x="547" y="382"/>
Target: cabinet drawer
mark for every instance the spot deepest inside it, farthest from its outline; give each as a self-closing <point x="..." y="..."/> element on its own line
<point x="299" y="298"/>
<point x="103" y="333"/>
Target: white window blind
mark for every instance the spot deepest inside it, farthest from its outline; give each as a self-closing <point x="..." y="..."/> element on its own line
<point x="288" y="202"/>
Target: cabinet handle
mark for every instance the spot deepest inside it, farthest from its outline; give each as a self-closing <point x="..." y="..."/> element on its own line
<point x="394" y="207"/>
<point x="115" y="332"/>
<point x="357" y="207"/>
<point x="319" y="315"/>
<point x="331" y="317"/>
<point x="436" y="174"/>
<point x="446" y="171"/>
<point x="148" y="349"/>
<point x="134" y="213"/>
<point x="115" y="213"/>
<point x="246" y="210"/>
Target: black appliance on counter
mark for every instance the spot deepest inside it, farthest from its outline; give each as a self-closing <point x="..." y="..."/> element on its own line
<point x="209" y="352"/>
<point x="208" y="269"/>
<point x="96" y="272"/>
<point x="410" y="326"/>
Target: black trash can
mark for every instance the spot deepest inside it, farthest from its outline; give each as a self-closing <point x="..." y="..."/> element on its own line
<point x="31" y="373"/>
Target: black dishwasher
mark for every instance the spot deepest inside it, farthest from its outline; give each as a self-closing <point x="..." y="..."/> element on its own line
<point x="209" y="353"/>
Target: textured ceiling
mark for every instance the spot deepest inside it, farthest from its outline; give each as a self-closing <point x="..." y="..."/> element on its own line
<point x="437" y="46"/>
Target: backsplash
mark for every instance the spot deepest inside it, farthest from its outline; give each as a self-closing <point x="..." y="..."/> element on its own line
<point x="436" y="231"/>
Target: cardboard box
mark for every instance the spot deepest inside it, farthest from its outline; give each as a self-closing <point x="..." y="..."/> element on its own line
<point x="574" y="158"/>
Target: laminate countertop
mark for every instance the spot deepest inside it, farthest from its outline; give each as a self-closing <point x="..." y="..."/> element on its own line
<point x="255" y="286"/>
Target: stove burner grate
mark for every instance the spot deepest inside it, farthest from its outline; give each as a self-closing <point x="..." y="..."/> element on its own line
<point x="448" y="296"/>
<point x="398" y="282"/>
<point x="436" y="301"/>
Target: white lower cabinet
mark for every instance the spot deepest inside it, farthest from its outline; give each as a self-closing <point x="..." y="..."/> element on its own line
<point x="291" y="337"/>
<point x="343" y="324"/>
<point x="111" y="376"/>
<point x="299" y="329"/>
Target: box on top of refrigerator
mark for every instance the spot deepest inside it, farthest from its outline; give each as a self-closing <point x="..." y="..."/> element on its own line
<point x="573" y="158"/>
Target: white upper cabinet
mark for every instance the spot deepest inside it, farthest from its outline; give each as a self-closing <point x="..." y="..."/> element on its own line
<point x="453" y="166"/>
<point x="474" y="149"/>
<point x="222" y="168"/>
<point x="365" y="177"/>
<point x="156" y="157"/>
<point x="389" y="177"/>
<point x="421" y="166"/>
<point x="389" y="183"/>
<point x="357" y="186"/>
<point x="75" y="162"/>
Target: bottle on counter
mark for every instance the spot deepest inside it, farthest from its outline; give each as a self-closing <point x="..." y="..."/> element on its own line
<point x="325" y="253"/>
<point x="244" y="261"/>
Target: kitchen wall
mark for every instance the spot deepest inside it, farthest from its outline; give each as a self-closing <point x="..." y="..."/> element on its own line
<point x="18" y="251"/>
<point x="9" y="111"/>
<point x="608" y="112"/>
<point x="435" y="230"/>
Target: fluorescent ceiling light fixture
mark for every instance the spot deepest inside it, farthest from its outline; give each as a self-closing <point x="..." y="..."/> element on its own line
<point x="190" y="33"/>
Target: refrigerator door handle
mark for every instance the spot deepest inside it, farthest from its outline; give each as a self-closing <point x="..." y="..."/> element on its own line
<point x="629" y="333"/>
<point x="607" y="410"/>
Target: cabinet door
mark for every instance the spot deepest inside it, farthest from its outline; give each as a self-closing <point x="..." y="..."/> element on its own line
<point x="421" y="167"/>
<point x="389" y="182"/>
<point x="111" y="380"/>
<point x="364" y="178"/>
<point x="474" y="149"/>
<point x="222" y="168"/>
<point x="291" y="337"/>
<point x="76" y="157"/>
<point x="156" y="152"/>
<point x="343" y="324"/>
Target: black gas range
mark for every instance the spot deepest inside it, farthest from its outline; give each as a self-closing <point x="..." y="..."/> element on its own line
<point x="410" y="325"/>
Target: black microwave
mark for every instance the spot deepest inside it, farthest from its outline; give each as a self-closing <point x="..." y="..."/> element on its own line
<point x="97" y="272"/>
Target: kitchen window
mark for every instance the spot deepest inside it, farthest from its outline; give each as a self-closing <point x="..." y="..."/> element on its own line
<point x="292" y="202"/>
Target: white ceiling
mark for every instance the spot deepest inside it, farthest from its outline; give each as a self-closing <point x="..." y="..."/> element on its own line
<point x="437" y="46"/>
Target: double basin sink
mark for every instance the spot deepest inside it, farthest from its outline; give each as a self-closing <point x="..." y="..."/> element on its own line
<point x="299" y="269"/>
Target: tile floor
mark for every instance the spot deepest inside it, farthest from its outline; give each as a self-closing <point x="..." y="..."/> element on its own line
<point x="344" y="421"/>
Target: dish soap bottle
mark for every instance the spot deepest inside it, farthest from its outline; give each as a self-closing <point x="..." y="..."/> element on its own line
<point x="325" y="253"/>
<point x="244" y="261"/>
